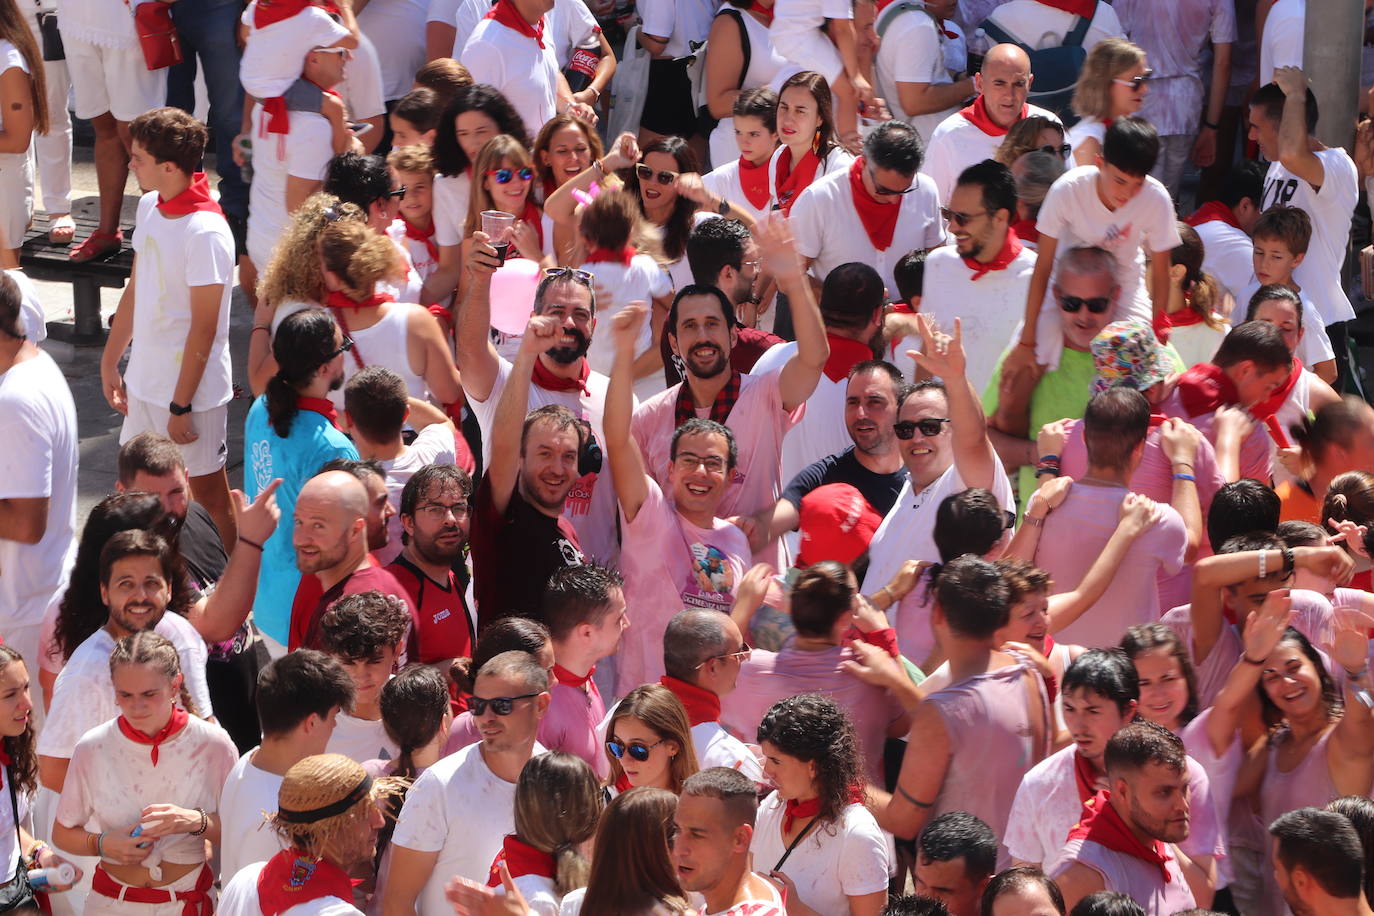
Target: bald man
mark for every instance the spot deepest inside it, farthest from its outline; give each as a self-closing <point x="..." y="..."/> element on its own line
<point x="330" y="539"/>
<point x="973" y="134"/>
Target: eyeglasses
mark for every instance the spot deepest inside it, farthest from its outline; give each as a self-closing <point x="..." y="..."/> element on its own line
<point x="504" y="176"/>
<point x="1097" y="304"/>
<point x="1062" y="150"/>
<point x="714" y="464"/>
<point x="742" y="655"/>
<point x="636" y="750"/>
<point x="886" y="192"/>
<point x="959" y="219"/>
<point x="753" y="264"/>
<point x="437" y="512"/>
<point x="501" y="706"/>
<point x="581" y="276"/>
<point x="1136" y="82"/>
<point x="344" y="347"/>
<point x="929" y="427"/>
<point x="664" y="177"/>
<point x="398" y="193"/>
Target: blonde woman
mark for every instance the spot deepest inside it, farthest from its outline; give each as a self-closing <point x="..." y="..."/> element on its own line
<point x="649" y="741"/>
<point x="1113" y="84"/>
<point x="1030" y="134"/>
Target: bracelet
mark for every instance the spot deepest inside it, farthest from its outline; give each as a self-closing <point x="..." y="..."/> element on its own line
<point x="1210" y="125"/>
<point x="1185" y="477"/>
<point x="1250" y="661"/>
<point x="253" y="544"/>
<point x="204" y="823"/>
<point x="1049" y="458"/>
<point x="100" y="844"/>
<point x="1263" y="563"/>
<point x="891" y="598"/>
<point x="1184" y="464"/>
<point x="1022" y="343"/>
<point x="600" y="169"/>
<point x="1356" y="675"/>
<point x="1288" y="564"/>
<point x="262" y="327"/>
<point x="1033" y="521"/>
<point x="37" y="851"/>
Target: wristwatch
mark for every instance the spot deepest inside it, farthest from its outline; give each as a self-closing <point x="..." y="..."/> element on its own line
<point x="723" y="208"/>
<point x="178" y="410"/>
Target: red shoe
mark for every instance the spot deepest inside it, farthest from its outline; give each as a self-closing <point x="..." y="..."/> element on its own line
<point x="98" y="245"/>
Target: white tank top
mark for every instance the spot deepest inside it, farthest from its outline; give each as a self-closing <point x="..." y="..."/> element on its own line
<point x="766" y="68"/>
<point x="383" y="344"/>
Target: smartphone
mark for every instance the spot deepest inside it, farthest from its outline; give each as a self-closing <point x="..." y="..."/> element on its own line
<point x="359" y="128"/>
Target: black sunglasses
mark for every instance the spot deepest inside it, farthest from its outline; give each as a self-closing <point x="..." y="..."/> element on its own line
<point x="502" y="706"/>
<point x="398" y="193"/>
<point x="1097" y="304"/>
<point x="635" y="749"/>
<point x="1136" y="82"/>
<point x="929" y="427"/>
<point x="887" y="192"/>
<point x="646" y="173"/>
<point x="960" y="219"/>
<point x="344" y="347"/>
<point x="1062" y="150"/>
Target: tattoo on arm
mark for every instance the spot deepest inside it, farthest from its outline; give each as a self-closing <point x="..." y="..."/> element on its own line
<point x="911" y="798"/>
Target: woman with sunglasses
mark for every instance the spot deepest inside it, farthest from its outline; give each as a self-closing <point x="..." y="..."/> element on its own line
<point x="632" y="869"/>
<point x="1112" y="84"/>
<point x="504" y="180"/>
<point x="806" y="128"/>
<point x="813" y="837"/>
<point x="649" y="741"/>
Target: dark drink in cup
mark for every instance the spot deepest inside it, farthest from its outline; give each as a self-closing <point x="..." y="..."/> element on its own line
<point x="502" y="250"/>
<point x="499" y="226"/>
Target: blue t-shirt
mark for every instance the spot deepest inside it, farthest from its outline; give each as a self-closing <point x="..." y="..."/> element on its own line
<point x="312" y="441"/>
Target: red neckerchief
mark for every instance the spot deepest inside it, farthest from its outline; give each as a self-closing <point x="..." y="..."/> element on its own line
<point x="765" y="14"/>
<point x="522" y="859"/>
<point x="1084" y="8"/>
<point x="291" y="878"/>
<point x="1184" y="318"/>
<point x="612" y="255"/>
<point x="793" y="179"/>
<point x="175" y="724"/>
<point x="322" y="406"/>
<point x="531" y="213"/>
<point x="194" y="199"/>
<point x="1156" y="421"/>
<point x="977" y="115"/>
<point x="568" y="679"/>
<point x="685" y="409"/>
<point x="1265" y="410"/>
<point x="879" y="218"/>
<point x="1211" y="211"/>
<point x="549" y="382"/>
<point x="845" y="354"/>
<point x="5" y="763"/>
<point x="1204" y="388"/>
<point x="702" y="705"/>
<point x="269" y="11"/>
<point x="1025" y="229"/>
<point x="793" y="809"/>
<point x="338" y="299"/>
<point x="754" y="180"/>
<point x="1102" y="825"/>
<point x="1084" y="776"/>
<point x="417" y="234"/>
<point x="1011" y="248"/>
<point x="276" y="120"/>
<point x="505" y="13"/>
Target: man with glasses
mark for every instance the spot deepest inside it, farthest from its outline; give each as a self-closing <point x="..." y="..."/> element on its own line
<point x="461" y="808"/>
<point x="974" y="133"/>
<point x="875" y="211"/>
<point x="678" y="551"/>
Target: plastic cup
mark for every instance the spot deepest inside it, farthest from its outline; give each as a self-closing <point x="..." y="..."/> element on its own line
<point x="499" y="227"/>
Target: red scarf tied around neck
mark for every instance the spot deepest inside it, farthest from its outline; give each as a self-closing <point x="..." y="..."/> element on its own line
<point x="175" y="724"/>
<point x="268" y="12"/>
<point x="322" y="406"/>
<point x="1211" y="211"/>
<point x="1084" y="777"/>
<point x="977" y="115"/>
<point x="339" y="299"/>
<point x="1011" y="247"/>
<point x="754" y="180"/>
<point x="1103" y="826"/>
<point x="505" y="13"/>
<point x="1265" y="410"/>
<point x="568" y="679"/>
<point x="521" y="859"/>
<point x="621" y="256"/>
<point x="291" y="878"/>
<point x="194" y="199"/>
<point x="845" y="354"/>
<point x="1085" y="8"/>
<point x="793" y="810"/>
<point x="879" y="217"/>
<point x="702" y="705"/>
<point x="794" y="178"/>
<point x="415" y="233"/>
<point x="545" y="378"/>
<point x="5" y="763"/>
<point x="1025" y="230"/>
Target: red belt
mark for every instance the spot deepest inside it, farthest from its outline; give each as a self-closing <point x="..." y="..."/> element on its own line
<point x="197" y="900"/>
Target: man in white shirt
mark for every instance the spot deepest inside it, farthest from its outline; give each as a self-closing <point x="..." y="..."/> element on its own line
<point x="1224" y="225"/>
<point x="974" y="133"/>
<point x="910" y="65"/>
<point x="460" y="809"/>
<point x="175" y="311"/>
<point x="713" y="826"/>
<point x="1281" y="43"/>
<point x="298" y="697"/>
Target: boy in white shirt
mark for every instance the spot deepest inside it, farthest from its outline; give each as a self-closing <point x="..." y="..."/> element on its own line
<point x="413" y="228"/>
<point x="175" y="310"/>
<point x="365" y="632"/>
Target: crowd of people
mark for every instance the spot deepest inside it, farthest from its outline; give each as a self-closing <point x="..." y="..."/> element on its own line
<point x="874" y="478"/>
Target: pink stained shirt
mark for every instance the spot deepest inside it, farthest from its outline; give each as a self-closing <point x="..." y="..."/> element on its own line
<point x="1137" y="879"/>
<point x="1074" y="535"/>
<point x="1309" y="784"/>
<point x="668" y="564"/>
<point x="1255" y="450"/>
<point x="570" y="724"/>
<point x="758" y="422"/>
<point x="1222" y="772"/>
<point x="768" y="677"/>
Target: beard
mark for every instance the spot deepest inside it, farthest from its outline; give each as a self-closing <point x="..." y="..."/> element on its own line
<point x="710" y="370"/>
<point x="566" y="356"/>
<point x="337" y="381"/>
<point x="126" y="621"/>
<point x="430" y="550"/>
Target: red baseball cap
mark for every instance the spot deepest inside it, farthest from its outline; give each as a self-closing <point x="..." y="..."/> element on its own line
<point x="836" y="524"/>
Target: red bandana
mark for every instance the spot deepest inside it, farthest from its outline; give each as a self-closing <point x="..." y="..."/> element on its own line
<point x="1211" y="211"/>
<point x="792" y="180"/>
<point x="195" y="198"/>
<point x="845" y="354"/>
<point x="1165" y="322"/>
<point x="879" y="218"/>
<point x="531" y="213"/>
<point x="1265" y="410"/>
<point x="765" y="13"/>
<point x="1025" y="229"/>
<point x="793" y="809"/>
<point x="568" y="679"/>
<point x="612" y="255"/>
<point x="175" y="724"/>
<point x="322" y="406"/>
<point x="417" y="234"/>
<point x="1204" y="388"/>
<point x="977" y="115"/>
<point x="720" y="407"/>
<point x="291" y="878"/>
<point x="1084" y="776"/>
<point x="522" y="859"/>
<point x="754" y="180"/>
<point x="505" y="13"/>
<point x="1011" y="247"/>
<point x="550" y="382"/>
<point x="1102" y="825"/>
<point x="339" y="299"/>
<point x="1084" y="8"/>
<point x="702" y="705"/>
<point x="269" y="11"/>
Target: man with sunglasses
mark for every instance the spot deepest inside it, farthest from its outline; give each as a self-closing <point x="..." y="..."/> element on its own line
<point x="974" y="133"/>
<point x="460" y="809"/>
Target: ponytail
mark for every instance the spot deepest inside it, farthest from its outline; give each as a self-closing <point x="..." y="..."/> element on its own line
<point x="570" y="869"/>
<point x="280" y="400"/>
<point x="303" y="344"/>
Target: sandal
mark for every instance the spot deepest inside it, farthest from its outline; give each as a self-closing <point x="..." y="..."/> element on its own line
<point x="98" y="245"/>
<point x="61" y="228"/>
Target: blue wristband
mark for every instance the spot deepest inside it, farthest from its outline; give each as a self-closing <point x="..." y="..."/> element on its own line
<point x="1185" y="477"/>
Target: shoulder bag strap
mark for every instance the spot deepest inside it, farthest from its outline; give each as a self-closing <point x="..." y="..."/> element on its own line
<point x="796" y="842"/>
<point x="1074" y="39"/>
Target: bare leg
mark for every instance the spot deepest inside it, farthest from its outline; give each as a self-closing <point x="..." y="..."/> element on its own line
<point x="212" y="492"/>
<point x="111" y="168"/>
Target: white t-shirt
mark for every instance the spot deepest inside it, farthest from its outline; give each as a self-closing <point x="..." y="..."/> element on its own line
<point x="452" y="194"/>
<point x="724" y="182"/>
<point x="847" y="858"/>
<point x="1229" y="256"/>
<point x="821" y="430"/>
<point x="642" y="280"/>
<point x="912" y="51"/>
<point x="84" y="694"/>
<point x="274" y="57"/>
<point x="398" y="26"/>
<point x="303" y="153"/>
<point x="248" y="795"/>
<point x="442" y="813"/>
<point x="466" y="15"/>
<point x="31" y="311"/>
<point x="958" y="143"/>
<point x="9" y="847"/>
<point x="827" y="228"/>
<point x="680" y="21"/>
<point x="804" y="15"/>
<point x="38" y="427"/>
<point x="716" y="747"/>
<point x="571" y="26"/>
<point x="433" y="445"/>
<point x="240" y="898"/>
<point x="774" y="905"/>
<point x="1074" y="214"/>
<point x="1315" y="346"/>
<point x="526" y="74"/>
<point x="361" y="739"/>
<point x="362" y="87"/>
<point x="1330" y="208"/>
<point x="175" y="254"/>
<point x="1283" y="37"/>
<point x="1041" y="26"/>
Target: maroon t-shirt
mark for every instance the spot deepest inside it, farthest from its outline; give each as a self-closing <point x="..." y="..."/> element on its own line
<point x="364" y="580"/>
<point x="514" y="554"/>
<point x="443" y="628"/>
<point x="749" y="346"/>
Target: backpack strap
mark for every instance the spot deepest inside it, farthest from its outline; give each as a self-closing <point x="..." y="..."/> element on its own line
<point x="890" y="14"/>
<point x="1002" y="37"/>
<point x="1074" y="39"/>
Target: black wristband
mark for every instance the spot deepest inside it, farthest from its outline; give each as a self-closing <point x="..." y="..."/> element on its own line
<point x="1209" y="124"/>
<point x="178" y="410"/>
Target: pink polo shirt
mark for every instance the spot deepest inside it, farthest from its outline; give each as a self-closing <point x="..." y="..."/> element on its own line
<point x="1255" y="450"/>
<point x="571" y="721"/>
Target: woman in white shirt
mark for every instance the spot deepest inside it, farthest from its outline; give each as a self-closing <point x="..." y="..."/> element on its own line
<point x="742" y="57"/>
<point x="806" y="128"/>
<point x="505" y="181"/>
<point x="813" y="835"/>
<point x="1112" y="84"/>
<point x="23" y="93"/>
<point x="564" y="148"/>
